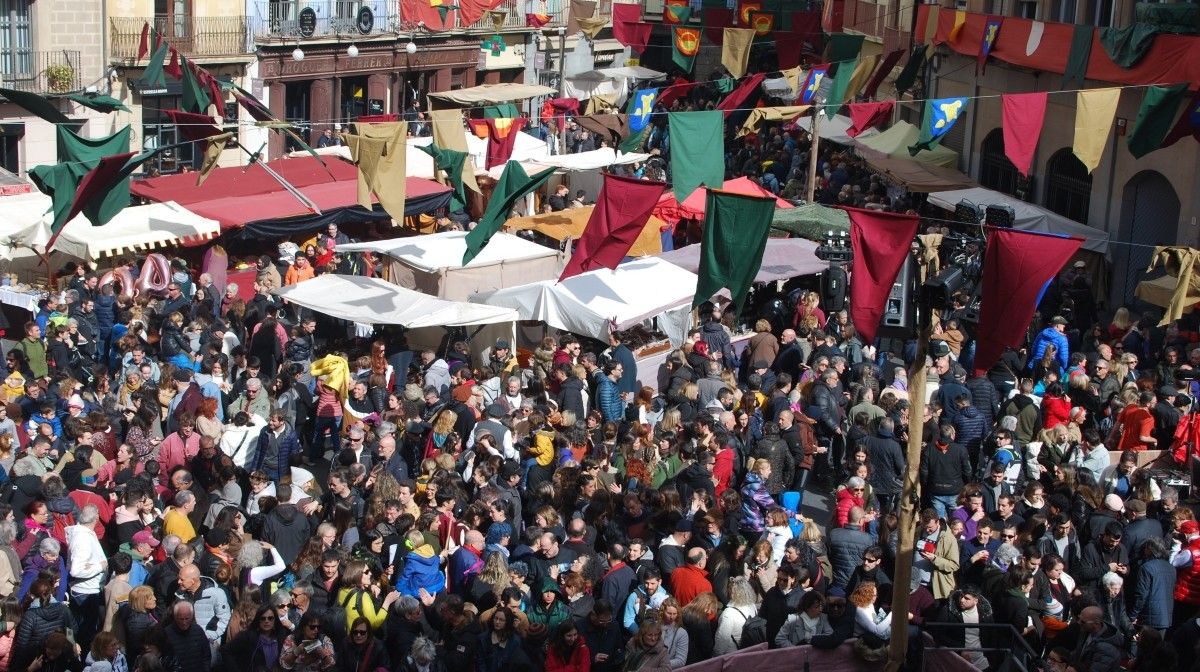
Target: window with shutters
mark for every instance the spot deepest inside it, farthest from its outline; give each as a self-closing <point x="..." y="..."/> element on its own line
<point x="1068" y="186"/>
<point x="16" y="40"/>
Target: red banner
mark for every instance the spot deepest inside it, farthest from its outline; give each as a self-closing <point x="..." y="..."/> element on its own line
<point x="622" y="210"/>
<point x="1023" y="114"/>
<point x="881" y="242"/>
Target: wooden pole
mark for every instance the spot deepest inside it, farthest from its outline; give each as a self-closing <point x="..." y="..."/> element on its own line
<point x="909" y="503"/>
<point x="812" y="156"/>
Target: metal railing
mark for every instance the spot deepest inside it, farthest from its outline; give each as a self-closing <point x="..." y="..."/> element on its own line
<point x="1011" y="647"/>
<point x="191" y="35"/>
<point x="43" y="72"/>
<point x="287" y="18"/>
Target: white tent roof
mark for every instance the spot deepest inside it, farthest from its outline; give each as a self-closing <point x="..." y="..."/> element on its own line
<point x="1029" y="217"/>
<point x="527" y="149"/>
<point x="142" y="227"/>
<point x="834" y="128"/>
<point x="439" y="251"/>
<point x="589" y="160"/>
<point x="632" y="72"/>
<point x="594" y="303"/>
<point x="375" y="301"/>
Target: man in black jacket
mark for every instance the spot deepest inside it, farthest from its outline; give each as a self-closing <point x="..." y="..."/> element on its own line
<point x="887" y="464"/>
<point x="945" y="469"/>
<point x="189" y="645"/>
<point x="1103" y="555"/>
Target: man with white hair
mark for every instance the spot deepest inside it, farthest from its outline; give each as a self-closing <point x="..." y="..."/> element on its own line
<point x="191" y="649"/>
<point x="87" y="568"/>
<point x="467" y="562"/>
<point x="254" y="401"/>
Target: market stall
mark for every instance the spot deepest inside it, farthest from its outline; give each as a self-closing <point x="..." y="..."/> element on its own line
<point x="570" y="223"/>
<point x="488" y="94"/>
<point x="672" y="211"/>
<point x="432" y="263"/>
<point x="895" y="141"/>
<point x="811" y="221"/>
<point x="919" y="177"/>
<point x="1028" y="217"/>
<point x="784" y="258"/>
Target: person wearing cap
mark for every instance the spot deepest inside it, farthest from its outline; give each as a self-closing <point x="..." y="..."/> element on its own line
<point x="1054" y="334"/>
<point x="501" y="357"/>
<point x="1139" y="528"/>
<point x="1166" y="416"/>
<point x="216" y="552"/>
<point x="141" y="549"/>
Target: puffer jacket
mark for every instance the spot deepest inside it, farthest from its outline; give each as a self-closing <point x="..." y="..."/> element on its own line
<point x="756" y="501"/>
<point x="211" y="605"/>
<point x="846" y="547"/>
<point x="106" y="313"/>
<point x="38" y="622"/>
<point x="171" y="342"/>
<point x="783" y="466"/>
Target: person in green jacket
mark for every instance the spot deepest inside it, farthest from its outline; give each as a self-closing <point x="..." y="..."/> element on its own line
<point x="547" y="606"/>
<point x="34" y="349"/>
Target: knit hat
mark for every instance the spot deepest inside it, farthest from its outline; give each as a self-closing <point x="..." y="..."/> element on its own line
<point x="1135" y="506"/>
<point x="1114" y="503"/>
<point x="413" y="392"/>
<point x="497" y="532"/>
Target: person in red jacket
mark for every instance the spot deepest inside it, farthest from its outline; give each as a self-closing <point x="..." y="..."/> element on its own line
<point x="691" y="579"/>
<point x="1056" y="407"/>
<point x="567" y="651"/>
<point x="1187" y="579"/>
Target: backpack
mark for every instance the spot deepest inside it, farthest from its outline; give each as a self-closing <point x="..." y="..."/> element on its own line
<point x="754" y="630"/>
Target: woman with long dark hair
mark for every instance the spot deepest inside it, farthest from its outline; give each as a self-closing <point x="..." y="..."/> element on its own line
<point x="499" y="643"/>
<point x="361" y="650"/>
<point x="44" y="615"/>
<point x="568" y="652"/>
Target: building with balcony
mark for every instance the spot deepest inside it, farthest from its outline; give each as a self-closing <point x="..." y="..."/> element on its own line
<point x="52" y="48"/>
<point x="213" y="34"/>
<point x="1154" y="200"/>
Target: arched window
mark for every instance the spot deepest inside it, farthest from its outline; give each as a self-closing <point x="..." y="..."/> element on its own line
<point x="1068" y="186"/>
<point x="996" y="172"/>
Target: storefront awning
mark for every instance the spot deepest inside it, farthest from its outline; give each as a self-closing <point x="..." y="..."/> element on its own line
<point x="492" y="94"/>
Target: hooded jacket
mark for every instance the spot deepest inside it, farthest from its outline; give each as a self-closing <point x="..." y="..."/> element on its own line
<point x="422" y="569"/>
<point x="88" y="561"/>
<point x="288" y="530"/>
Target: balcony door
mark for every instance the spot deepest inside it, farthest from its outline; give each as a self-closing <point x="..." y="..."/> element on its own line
<point x="173" y="19"/>
<point x="16" y="41"/>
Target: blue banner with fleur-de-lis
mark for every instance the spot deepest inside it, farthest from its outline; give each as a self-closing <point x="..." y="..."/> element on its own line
<point x="940" y="115"/>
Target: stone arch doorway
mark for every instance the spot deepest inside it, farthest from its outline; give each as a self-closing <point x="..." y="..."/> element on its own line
<point x="1149" y="217"/>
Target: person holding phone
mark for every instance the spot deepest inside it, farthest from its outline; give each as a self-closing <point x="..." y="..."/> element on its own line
<point x="935" y="560"/>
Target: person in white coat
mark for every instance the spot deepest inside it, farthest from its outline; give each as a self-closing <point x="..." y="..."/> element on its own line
<point x="87" y="567"/>
<point x="741" y="608"/>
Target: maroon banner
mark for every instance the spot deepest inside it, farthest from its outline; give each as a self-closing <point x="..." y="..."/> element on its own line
<point x="173" y="69"/>
<point x="679" y="88"/>
<point x="556" y="109"/>
<point x="738" y="97"/>
<point x="1017" y="267"/>
<point x="789" y="47"/>
<point x="628" y="28"/>
<point x="501" y="135"/>
<point x="193" y="126"/>
<point x="881" y="72"/>
<point x="1188" y="124"/>
<point x="881" y="242"/>
<point x="868" y="115"/>
<point x="144" y="42"/>
<point x="621" y="212"/>
<point x="1023" y="114"/>
<point x="716" y="20"/>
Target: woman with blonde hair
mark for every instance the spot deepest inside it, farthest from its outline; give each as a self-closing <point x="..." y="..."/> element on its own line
<point x="674" y="637"/>
<point x="490" y="583"/>
<point x="646" y="651"/>
<point x="763" y="345"/>
<point x="699" y="619"/>
<point x="742" y="606"/>
<point x="1120" y="325"/>
<point x="137" y="618"/>
<point x="443" y="426"/>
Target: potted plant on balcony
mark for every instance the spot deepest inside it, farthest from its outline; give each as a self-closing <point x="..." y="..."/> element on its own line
<point x="60" y="77"/>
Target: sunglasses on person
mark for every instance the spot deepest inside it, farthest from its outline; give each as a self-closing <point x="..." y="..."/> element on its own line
<point x="359" y="633"/>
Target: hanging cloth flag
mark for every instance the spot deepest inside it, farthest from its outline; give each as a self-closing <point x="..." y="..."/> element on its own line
<point x="885" y="68"/>
<point x="71" y="147"/>
<point x="144" y="42"/>
<point x="622" y="210"/>
<point x="735" y="50"/>
<point x="1095" y="110"/>
<point x="640" y="108"/>
<point x="591" y="26"/>
<point x="1016" y="269"/>
<point x="212" y="154"/>
<point x="448" y="134"/>
<point x="514" y="184"/>
<point x="940" y="115"/>
<point x="737" y="99"/>
<point x="1180" y="263"/>
<point x="697" y="150"/>
<point x="501" y="135"/>
<point x="932" y="18"/>
<point x="153" y="75"/>
<point x="1155" y="118"/>
<point x="991" y="29"/>
<point x="868" y="115"/>
<point x="762" y="23"/>
<point x="736" y="227"/>
<point x="845" y="47"/>
<point x="1036" y="30"/>
<point x="173" y="69"/>
<point x="194" y="97"/>
<point x="1023" y="114"/>
<point x="539" y="18"/>
<point x="837" y="90"/>
<point x="761" y="115"/>
<point x="1077" y="59"/>
<point x="676" y="12"/>
<point x="745" y="9"/>
<point x="881" y="243"/>
<point x="862" y="71"/>
<point x="558" y="109"/>
<point x="36" y="105"/>
<point x="98" y="102"/>
<point x="685" y="46"/>
<point x="1128" y="44"/>
<point x="960" y="20"/>
<point x="628" y="27"/>
<point x="812" y="83"/>
<point x="452" y="163"/>
<point x="611" y="127"/>
<point x="380" y="151"/>
<point x="1188" y="124"/>
<point x="908" y="76"/>
<point x="789" y="49"/>
<point x="792" y="75"/>
<point x="192" y="126"/>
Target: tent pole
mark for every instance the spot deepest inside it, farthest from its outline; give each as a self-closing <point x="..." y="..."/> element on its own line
<point x="812" y="156"/>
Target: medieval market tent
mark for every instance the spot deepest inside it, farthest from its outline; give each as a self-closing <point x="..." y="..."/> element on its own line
<point x="1029" y="217"/>
<point x="834" y="129"/>
<point x="373" y="301"/>
<point x="597" y="302"/>
<point x="490" y="94"/>
<point x="250" y="199"/>
<point x="895" y="141"/>
<point x="918" y="177"/>
<point x="671" y="211"/>
<point x="570" y="223"/>
<point x="1160" y="291"/>
<point x="433" y="263"/>
<point x="812" y="221"/>
<point x="784" y="258"/>
<point x="137" y="228"/>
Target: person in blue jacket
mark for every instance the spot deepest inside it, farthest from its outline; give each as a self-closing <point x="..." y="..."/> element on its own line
<point x="1054" y="334"/>
<point x="422" y="568"/>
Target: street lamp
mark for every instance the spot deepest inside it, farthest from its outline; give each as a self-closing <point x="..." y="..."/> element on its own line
<point x="410" y="48"/>
<point x="562" y="83"/>
<point x="298" y="54"/>
<point x="352" y="51"/>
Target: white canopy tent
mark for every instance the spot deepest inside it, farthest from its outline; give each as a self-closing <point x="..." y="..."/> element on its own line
<point x="607" y="81"/>
<point x="374" y="301"/>
<point x="527" y="150"/>
<point x="598" y="302"/>
<point x="594" y="159"/>
<point x="433" y="263"/>
<point x="834" y="128"/>
<point x="1029" y="217"/>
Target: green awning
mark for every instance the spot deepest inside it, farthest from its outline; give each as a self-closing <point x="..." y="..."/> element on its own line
<point x="812" y="221"/>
